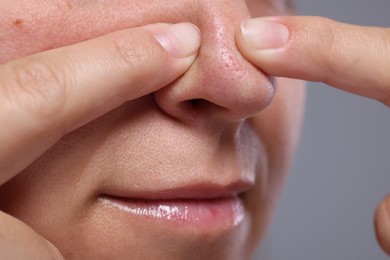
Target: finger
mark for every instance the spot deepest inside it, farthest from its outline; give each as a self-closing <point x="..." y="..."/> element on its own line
<point x="382" y="224"/>
<point x="349" y="57"/>
<point x="19" y="241"/>
<point x="44" y="96"/>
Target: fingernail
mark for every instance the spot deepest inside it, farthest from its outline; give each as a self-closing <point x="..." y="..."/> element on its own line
<point x="180" y="40"/>
<point x="264" y="34"/>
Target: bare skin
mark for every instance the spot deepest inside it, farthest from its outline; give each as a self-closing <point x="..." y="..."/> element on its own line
<point x="97" y="100"/>
<point x="348" y="57"/>
<point x="44" y="115"/>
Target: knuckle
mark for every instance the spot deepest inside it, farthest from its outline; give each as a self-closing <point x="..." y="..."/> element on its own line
<point x="37" y="89"/>
<point x="329" y="49"/>
<point x="139" y="56"/>
<point x="329" y="45"/>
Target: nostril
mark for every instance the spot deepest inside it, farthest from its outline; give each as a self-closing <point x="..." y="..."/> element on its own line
<point x="201" y="108"/>
<point x="200" y="105"/>
<point x="195" y="107"/>
<point x="196" y="102"/>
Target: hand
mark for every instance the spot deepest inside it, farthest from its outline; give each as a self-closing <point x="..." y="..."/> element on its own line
<point x="352" y="58"/>
<point x="47" y="95"/>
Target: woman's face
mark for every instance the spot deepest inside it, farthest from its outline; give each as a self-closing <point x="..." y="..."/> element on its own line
<point x="191" y="171"/>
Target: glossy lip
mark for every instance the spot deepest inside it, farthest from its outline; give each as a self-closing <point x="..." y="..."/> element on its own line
<point x="199" y="205"/>
<point x="228" y="212"/>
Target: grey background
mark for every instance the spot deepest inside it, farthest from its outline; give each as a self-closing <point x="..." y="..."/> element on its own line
<point x="342" y="168"/>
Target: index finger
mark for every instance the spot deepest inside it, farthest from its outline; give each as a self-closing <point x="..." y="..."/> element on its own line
<point x="349" y="57"/>
<point x="45" y="96"/>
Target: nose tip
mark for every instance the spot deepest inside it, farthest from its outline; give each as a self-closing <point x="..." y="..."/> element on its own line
<point x="221" y="83"/>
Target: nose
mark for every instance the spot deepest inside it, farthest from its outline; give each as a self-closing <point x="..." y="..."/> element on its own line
<point x="220" y="84"/>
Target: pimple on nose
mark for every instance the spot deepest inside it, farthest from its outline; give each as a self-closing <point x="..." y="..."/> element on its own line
<point x="17" y="22"/>
<point x="69" y="4"/>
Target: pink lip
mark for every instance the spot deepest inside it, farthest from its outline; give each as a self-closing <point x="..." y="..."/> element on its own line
<point x="199" y="212"/>
<point x="199" y="205"/>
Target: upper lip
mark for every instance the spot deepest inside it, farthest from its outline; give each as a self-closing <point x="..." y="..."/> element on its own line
<point x="190" y="191"/>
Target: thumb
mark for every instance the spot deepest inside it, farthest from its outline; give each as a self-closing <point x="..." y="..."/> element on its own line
<point x="19" y="241"/>
<point x="349" y="57"/>
<point x="382" y="224"/>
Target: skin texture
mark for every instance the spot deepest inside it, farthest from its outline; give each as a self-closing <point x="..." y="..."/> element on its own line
<point x="222" y="120"/>
<point x="348" y="57"/>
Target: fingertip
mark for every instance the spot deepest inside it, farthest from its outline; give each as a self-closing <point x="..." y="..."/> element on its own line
<point x="262" y="34"/>
<point x="53" y="251"/>
<point x="264" y="42"/>
<point x="181" y="40"/>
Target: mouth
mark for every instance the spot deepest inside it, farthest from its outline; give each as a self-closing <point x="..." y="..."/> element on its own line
<point x="200" y="206"/>
<point x="189" y="212"/>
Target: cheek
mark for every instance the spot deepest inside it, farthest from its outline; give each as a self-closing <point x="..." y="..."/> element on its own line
<point x="280" y="123"/>
<point x="33" y="26"/>
<point x="279" y="127"/>
<point x="290" y="103"/>
<point x="29" y="27"/>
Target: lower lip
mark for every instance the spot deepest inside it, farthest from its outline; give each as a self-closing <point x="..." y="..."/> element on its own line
<point x="226" y="211"/>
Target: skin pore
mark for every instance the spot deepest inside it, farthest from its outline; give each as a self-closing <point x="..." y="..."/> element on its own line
<point x="222" y="125"/>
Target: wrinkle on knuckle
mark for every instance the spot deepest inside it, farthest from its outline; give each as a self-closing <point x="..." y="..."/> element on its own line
<point x="128" y="53"/>
<point x="136" y="54"/>
<point x="329" y="47"/>
<point x="37" y="89"/>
